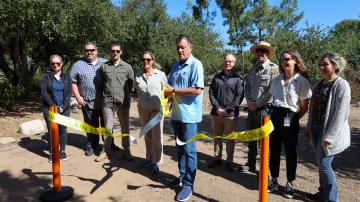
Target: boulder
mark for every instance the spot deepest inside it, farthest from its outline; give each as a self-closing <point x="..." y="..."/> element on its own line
<point x="33" y="127"/>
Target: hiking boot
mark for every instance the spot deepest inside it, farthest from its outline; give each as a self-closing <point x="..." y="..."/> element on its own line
<point x="127" y="156"/>
<point x="63" y="156"/>
<point x="289" y="191"/>
<point x="214" y="163"/>
<point x="230" y="166"/>
<point x="101" y="157"/>
<point x="273" y="185"/>
<point x="89" y="151"/>
<point x="184" y="194"/>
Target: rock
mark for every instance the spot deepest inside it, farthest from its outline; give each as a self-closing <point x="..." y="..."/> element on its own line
<point x="33" y="127"/>
<point x="74" y="104"/>
<point x="7" y="140"/>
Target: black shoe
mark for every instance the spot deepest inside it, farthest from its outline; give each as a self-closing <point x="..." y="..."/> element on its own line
<point x="289" y="191"/>
<point x="127" y="156"/>
<point x="89" y="151"/>
<point x="50" y="158"/>
<point x="230" y="166"/>
<point x="63" y="156"/>
<point x="313" y="197"/>
<point x="214" y="163"/>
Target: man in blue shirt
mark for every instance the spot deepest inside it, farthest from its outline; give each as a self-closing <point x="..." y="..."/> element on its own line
<point x="185" y="85"/>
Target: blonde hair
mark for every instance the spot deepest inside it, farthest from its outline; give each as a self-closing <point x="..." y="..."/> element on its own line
<point x="55" y="56"/>
<point x="156" y="65"/>
<point x="336" y="60"/>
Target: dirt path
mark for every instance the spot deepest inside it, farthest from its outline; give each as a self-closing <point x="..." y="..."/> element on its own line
<point x="25" y="172"/>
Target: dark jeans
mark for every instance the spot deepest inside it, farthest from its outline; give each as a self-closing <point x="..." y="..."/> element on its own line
<point x="288" y="135"/>
<point x="62" y="129"/>
<point x="94" y="118"/>
<point x="187" y="154"/>
<point x="253" y="121"/>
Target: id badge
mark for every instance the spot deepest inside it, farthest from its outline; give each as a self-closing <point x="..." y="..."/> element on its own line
<point x="287" y="121"/>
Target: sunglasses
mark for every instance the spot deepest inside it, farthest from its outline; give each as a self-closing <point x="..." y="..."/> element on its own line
<point x="56" y="63"/>
<point x="285" y="59"/>
<point x="261" y="50"/>
<point x="115" y="51"/>
<point x="89" y="50"/>
<point x="146" y="59"/>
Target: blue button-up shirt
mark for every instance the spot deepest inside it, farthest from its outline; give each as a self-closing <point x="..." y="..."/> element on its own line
<point x="187" y="109"/>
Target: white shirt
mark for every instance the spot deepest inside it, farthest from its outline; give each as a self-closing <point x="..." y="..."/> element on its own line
<point x="289" y="95"/>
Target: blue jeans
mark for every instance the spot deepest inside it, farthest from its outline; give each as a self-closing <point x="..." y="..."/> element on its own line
<point x="327" y="179"/>
<point x="187" y="154"/>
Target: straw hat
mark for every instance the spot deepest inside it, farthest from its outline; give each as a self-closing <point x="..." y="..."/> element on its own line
<point x="263" y="44"/>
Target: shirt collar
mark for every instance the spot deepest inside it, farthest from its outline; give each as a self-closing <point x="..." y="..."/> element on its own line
<point x="187" y="62"/>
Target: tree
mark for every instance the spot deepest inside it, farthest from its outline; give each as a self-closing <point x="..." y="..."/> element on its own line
<point x="32" y="30"/>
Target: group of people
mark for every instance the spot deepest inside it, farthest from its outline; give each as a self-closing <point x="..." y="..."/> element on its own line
<point x="103" y="88"/>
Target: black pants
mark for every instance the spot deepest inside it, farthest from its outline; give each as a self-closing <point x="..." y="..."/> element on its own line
<point x="93" y="117"/>
<point x="62" y="129"/>
<point x="288" y="135"/>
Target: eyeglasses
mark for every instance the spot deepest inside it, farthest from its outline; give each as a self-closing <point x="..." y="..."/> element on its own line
<point x="146" y="59"/>
<point x="56" y="63"/>
<point x="89" y="50"/>
<point x="115" y="51"/>
<point x="285" y="59"/>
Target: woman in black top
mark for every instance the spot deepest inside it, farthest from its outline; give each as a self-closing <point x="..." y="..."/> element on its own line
<point x="56" y="90"/>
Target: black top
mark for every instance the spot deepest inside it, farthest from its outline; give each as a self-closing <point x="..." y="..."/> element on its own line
<point x="226" y="92"/>
<point x="320" y="99"/>
<point x="46" y="89"/>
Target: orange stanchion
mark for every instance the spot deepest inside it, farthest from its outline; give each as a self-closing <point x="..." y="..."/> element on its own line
<point x="58" y="192"/>
<point x="264" y="165"/>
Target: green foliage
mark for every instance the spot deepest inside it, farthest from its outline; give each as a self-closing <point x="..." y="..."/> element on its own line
<point x="9" y="93"/>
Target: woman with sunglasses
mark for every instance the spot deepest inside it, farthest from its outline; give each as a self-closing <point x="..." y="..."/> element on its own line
<point x="55" y="89"/>
<point x="290" y="98"/>
<point x="328" y="126"/>
<point x="149" y="84"/>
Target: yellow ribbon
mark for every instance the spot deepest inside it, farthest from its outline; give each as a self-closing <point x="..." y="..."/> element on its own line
<point x="249" y="135"/>
<point x="82" y="126"/>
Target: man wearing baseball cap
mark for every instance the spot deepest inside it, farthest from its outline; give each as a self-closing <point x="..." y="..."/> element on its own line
<point x="257" y="86"/>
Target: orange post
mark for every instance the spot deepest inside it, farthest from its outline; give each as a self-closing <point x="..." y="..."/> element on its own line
<point x="264" y="165"/>
<point x="58" y="192"/>
<point x="54" y="132"/>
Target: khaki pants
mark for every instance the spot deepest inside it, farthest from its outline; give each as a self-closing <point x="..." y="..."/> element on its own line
<point x="223" y="126"/>
<point x="154" y="137"/>
<point x="123" y="115"/>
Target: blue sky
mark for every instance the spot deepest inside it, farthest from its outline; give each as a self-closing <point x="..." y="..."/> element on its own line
<point x="322" y="12"/>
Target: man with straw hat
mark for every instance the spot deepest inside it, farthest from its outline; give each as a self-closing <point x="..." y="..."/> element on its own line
<point x="257" y="86"/>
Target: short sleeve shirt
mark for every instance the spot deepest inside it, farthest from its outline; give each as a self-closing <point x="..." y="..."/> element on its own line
<point x="149" y="89"/>
<point x="87" y="77"/>
<point x="289" y="95"/>
<point x="187" y="109"/>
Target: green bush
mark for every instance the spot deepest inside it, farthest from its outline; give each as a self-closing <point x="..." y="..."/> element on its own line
<point x="9" y="93"/>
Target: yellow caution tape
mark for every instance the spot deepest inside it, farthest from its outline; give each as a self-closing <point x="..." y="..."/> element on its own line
<point x="82" y="126"/>
<point x="249" y="135"/>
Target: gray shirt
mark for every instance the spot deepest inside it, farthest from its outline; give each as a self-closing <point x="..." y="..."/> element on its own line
<point x="149" y="89"/>
<point x="258" y="81"/>
<point x="117" y="83"/>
